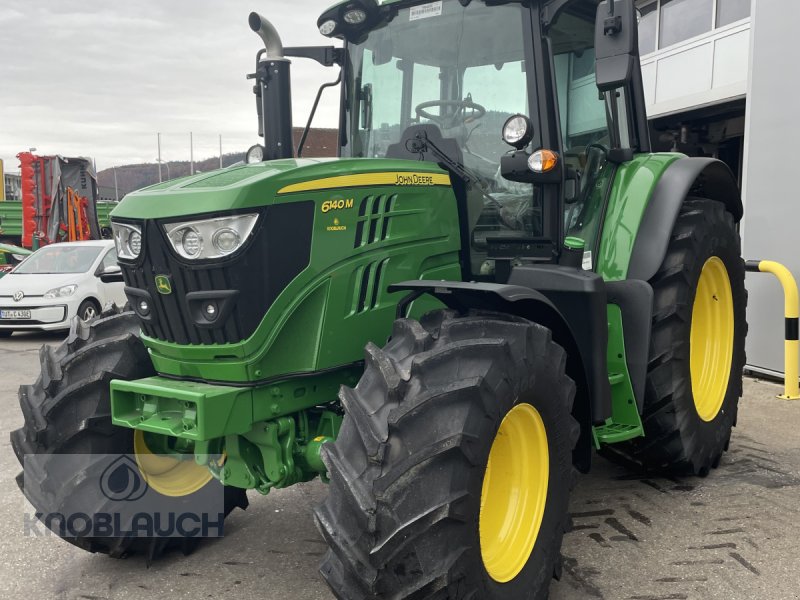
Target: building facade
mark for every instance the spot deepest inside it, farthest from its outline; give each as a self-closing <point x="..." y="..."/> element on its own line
<point x="12" y="186"/>
<point x="695" y="67"/>
<point x="718" y="84"/>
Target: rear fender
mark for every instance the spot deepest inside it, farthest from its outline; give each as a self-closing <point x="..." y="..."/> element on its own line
<point x="704" y="177"/>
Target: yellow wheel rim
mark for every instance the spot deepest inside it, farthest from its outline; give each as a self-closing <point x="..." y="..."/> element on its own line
<point x="711" y="349"/>
<point x="514" y="493"/>
<point x="168" y="476"/>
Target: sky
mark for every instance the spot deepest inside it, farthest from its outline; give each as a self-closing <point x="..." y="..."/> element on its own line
<point x="100" y="78"/>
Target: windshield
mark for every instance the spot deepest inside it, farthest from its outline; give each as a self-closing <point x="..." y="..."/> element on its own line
<point x="461" y="69"/>
<point x="59" y="260"/>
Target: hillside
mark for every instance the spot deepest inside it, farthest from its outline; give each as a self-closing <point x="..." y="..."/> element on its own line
<point x="321" y="143"/>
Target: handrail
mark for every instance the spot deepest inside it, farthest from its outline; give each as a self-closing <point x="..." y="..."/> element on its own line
<point x="792" y="320"/>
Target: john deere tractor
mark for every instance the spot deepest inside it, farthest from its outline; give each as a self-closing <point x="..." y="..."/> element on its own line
<point x="496" y="278"/>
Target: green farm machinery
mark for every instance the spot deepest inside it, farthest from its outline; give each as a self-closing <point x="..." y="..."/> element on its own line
<point x="495" y="279"/>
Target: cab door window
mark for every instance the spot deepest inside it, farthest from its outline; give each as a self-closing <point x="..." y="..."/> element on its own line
<point x="584" y="124"/>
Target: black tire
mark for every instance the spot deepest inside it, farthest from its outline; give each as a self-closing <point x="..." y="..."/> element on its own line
<point x="88" y="310"/>
<point x="67" y="411"/>
<point x="676" y="438"/>
<point x="402" y="515"/>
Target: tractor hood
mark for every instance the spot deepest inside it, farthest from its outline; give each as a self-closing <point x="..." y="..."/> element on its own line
<point x="266" y="183"/>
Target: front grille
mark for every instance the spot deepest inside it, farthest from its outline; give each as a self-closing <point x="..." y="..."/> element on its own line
<point x="278" y="251"/>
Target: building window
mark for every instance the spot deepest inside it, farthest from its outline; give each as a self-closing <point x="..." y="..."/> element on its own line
<point x="684" y="19"/>
<point x="730" y="11"/>
<point x="664" y="23"/>
<point x="648" y="28"/>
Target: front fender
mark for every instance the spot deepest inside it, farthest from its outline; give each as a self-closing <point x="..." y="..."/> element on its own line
<point x="586" y="354"/>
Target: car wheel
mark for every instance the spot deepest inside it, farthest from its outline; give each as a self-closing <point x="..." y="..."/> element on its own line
<point x="88" y="310"/>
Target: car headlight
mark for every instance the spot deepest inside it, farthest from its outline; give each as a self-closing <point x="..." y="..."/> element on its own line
<point x="210" y="238"/>
<point x="128" y="240"/>
<point x="61" y="292"/>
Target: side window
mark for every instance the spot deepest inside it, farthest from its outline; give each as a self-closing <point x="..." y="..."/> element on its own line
<point x="584" y="125"/>
<point x="110" y="259"/>
<point x="583" y="113"/>
<point x="380" y="113"/>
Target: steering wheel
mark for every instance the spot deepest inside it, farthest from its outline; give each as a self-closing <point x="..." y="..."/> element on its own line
<point x="459" y="116"/>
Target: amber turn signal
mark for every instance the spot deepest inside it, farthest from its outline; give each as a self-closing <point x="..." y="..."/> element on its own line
<point x="543" y="161"/>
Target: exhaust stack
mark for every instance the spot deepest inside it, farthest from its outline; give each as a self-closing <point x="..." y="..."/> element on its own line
<point x="268" y="34"/>
<point x="273" y="91"/>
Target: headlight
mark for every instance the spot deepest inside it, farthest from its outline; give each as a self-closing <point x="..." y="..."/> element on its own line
<point x="61" y="292"/>
<point x="255" y="154"/>
<point x="211" y="238"/>
<point x="128" y="240"/>
<point x="518" y="131"/>
<point x="328" y="27"/>
<point x="355" y="16"/>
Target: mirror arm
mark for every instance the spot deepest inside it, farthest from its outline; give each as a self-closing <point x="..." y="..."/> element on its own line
<point x="307" y="129"/>
<point x="327" y="56"/>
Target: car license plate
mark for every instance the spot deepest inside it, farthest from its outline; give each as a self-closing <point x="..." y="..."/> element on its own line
<point x="15" y="314"/>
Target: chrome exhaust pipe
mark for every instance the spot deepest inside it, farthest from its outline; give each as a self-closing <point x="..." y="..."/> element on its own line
<point x="268" y="34"/>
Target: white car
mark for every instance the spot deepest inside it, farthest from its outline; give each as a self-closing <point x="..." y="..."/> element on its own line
<point x="57" y="283"/>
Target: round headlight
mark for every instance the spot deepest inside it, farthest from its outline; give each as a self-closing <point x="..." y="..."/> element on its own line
<point x="255" y="154"/>
<point x="192" y="242"/>
<point x="328" y="27"/>
<point x="135" y="243"/>
<point x="226" y="240"/>
<point x="518" y="131"/>
<point x="355" y="17"/>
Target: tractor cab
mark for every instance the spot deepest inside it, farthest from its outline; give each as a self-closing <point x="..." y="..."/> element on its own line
<point x="483" y="90"/>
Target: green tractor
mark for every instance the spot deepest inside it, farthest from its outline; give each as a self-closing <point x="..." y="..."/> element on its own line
<point x="496" y="278"/>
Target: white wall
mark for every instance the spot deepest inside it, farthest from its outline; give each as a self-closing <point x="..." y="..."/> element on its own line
<point x="772" y="194"/>
<point x="706" y="70"/>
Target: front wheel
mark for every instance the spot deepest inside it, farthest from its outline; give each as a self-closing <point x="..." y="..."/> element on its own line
<point x="67" y="412"/>
<point x="88" y="310"/>
<point x="451" y="475"/>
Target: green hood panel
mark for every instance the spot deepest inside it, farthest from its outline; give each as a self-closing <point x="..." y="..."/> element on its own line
<point x="249" y="186"/>
<point x="375" y="221"/>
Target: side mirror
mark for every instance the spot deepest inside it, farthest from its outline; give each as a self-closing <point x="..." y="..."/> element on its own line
<point x="616" y="43"/>
<point x="111" y="274"/>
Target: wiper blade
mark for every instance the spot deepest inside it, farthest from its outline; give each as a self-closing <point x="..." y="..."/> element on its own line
<point x="422" y="144"/>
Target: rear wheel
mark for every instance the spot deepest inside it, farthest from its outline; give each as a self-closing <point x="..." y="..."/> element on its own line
<point x="67" y="412"/>
<point x="451" y="475"/>
<point x="697" y="353"/>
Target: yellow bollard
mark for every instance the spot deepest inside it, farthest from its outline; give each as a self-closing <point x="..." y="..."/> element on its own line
<point x="792" y="316"/>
